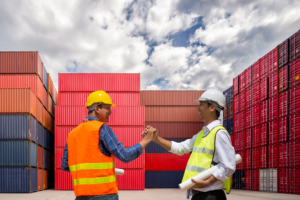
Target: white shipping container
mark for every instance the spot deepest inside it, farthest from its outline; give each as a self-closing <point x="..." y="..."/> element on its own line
<point x="263" y="180"/>
<point x="268" y="180"/>
<point x="273" y="180"/>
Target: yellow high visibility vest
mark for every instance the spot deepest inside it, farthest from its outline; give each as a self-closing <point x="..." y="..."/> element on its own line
<point x="202" y="156"/>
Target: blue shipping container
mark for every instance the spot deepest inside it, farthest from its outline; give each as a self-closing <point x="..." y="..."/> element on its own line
<point x="18" y="153"/>
<point x="45" y="159"/>
<point x="163" y="179"/>
<point x="238" y="179"/>
<point x="20" y="127"/>
<point x="18" y="180"/>
<point x="45" y="78"/>
<point x="41" y="134"/>
<point x="155" y="148"/>
<point x="230" y="125"/>
<point x="228" y="95"/>
<point x="225" y="124"/>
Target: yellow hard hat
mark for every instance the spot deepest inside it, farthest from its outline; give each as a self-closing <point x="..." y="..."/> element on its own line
<point x="99" y="97"/>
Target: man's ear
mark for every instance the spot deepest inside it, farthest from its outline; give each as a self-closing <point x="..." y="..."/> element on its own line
<point x="212" y="107"/>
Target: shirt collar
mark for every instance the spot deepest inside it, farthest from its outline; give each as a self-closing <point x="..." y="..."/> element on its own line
<point x="90" y="119"/>
<point x="213" y="125"/>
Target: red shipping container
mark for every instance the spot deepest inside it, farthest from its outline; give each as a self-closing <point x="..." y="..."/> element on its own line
<point x="230" y="110"/>
<point x="138" y="163"/>
<point x="120" y="99"/>
<point x="273" y="108"/>
<point x="242" y="120"/>
<point x="255" y="115"/>
<point x="63" y="180"/>
<point x="174" y="130"/>
<point x="236" y="122"/>
<point x="294" y="73"/>
<point x="132" y="180"/>
<point x="59" y="152"/>
<point x="256" y="72"/>
<point x="283" y="180"/>
<point x="255" y="93"/>
<point x="39" y="156"/>
<point x="255" y="158"/>
<point x="23" y="81"/>
<point x="295" y="100"/>
<point x="242" y="81"/>
<point x="294" y="176"/>
<point x="236" y="84"/>
<point x="236" y="104"/>
<point x="73" y="115"/>
<point x="248" y="97"/>
<point x="248" y="138"/>
<point x="264" y="134"/>
<point x="248" y="157"/>
<point x="283" y="53"/>
<point x="264" y="111"/>
<point x="283" y="150"/>
<point x="273" y="84"/>
<point x="273" y="132"/>
<point x="273" y="156"/>
<point x="284" y="103"/>
<point x="90" y="82"/>
<point x="255" y="180"/>
<point x="248" y="179"/>
<point x="166" y="98"/>
<point x="243" y="140"/>
<point x="236" y="141"/>
<point x="256" y="136"/>
<point x="45" y="179"/>
<point x="263" y="157"/>
<point x="50" y="85"/>
<point x="264" y="89"/>
<point x="264" y="66"/>
<point x="242" y="165"/>
<point x="40" y="179"/>
<point x="225" y="113"/>
<point x="283" y="129"/>
<point x="294" y="128"/>
<point x="273" y="60"/>
<point x="166" y="162"/>
<point x="45" y="98"/>
<point x="294" y="46"/>
<point x="242" y="100"/>
<point x="248" y="74"/>
<point x="294" y="154"/>
<point x="283" y="78"/>
<point x="21" y="63"/>
<point x="248" y="115"/>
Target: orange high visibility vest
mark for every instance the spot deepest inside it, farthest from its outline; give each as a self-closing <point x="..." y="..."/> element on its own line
<point x="92" y="172"/>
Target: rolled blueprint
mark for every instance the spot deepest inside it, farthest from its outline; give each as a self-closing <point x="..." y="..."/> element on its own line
<point x="119" y="171"/>
<point x="204" y="175"/>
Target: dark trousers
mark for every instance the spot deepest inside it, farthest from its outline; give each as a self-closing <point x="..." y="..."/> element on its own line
<point x="210" y="195"/>
<point x="100" y="197"/>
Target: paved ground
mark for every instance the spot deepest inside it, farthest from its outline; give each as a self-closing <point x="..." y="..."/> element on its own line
<point x="148" y="194"/>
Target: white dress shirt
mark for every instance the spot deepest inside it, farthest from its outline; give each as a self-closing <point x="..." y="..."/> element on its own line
<point x="224" y="154"/>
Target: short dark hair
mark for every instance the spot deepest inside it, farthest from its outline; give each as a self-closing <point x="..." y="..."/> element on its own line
<point x="99" y="105"/>
<point x="217" y="112"/>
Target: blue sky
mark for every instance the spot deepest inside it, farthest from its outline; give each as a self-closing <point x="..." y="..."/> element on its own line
<point x="173" y="44"/>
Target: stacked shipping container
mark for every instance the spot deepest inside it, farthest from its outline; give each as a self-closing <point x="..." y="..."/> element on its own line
<point x="174" y="114"/>
<point x="27" y="124"/>
<point x="127" y="120"/>
<point x="272" y="120"/>
<point x="228" y="112"/>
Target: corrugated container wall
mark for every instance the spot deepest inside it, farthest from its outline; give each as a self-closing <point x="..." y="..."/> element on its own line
<point x="45" y="77"/>
<point x="163" y="179"/>
<point x="294" y="73"/>
<point x="93" y="82"/>
<point x="21" y="63"/>
<point x="166" y="162"/>
<point x="294" y="46"/>
<point x="132" y="180"/>
<point x="283" y="53"/>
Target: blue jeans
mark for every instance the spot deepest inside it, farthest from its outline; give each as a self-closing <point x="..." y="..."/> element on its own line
<point x="99" y="197"/>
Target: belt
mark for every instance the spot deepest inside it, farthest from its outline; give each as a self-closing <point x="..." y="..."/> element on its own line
<point x="194" y="192"/>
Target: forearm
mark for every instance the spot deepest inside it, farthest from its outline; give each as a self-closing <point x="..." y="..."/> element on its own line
<point x="164" y="143"/>
<point x="211" y="180"/>
<point x="144" y="143"/>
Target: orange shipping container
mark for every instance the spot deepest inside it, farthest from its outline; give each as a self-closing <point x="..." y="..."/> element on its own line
<point x="172" y="114"/>
<point x="45" y="179"/>
<point x="50" y="106"/>
<point x="18" y="101"/>
<point x="40" y="179"/>
<point x="45" y="118"/>
<point x="21" y="63"/>
<point x="45" y="97"/>
<point x="39" y="156"/>
<point x="40" y="109"/>
<point x="50" y="85"/>
<point x="167" y="98"/>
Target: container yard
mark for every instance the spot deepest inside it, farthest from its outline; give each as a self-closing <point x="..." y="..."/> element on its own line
<point x="136" y="67"/>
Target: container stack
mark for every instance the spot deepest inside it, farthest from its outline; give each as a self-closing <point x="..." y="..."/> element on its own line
<point x="267" y="120"/>
<point x="27" y="123"/>
<point x="127" y="120"/>
<point x="228" y="112"/>
<point x="174" y="114"/>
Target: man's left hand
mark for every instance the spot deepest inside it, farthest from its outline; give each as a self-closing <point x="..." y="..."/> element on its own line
<point x="200" y="184"/>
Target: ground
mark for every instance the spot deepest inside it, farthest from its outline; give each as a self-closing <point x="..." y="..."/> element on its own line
<point x="148" y="194"/>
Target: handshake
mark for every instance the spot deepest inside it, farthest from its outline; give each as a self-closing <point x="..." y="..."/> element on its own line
<point x="150" y="134"/>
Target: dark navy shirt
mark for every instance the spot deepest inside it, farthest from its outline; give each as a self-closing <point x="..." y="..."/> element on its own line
<point x="109" y="144"/>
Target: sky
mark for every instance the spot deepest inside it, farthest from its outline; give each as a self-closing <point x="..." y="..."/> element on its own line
<point x="173" y="44"/>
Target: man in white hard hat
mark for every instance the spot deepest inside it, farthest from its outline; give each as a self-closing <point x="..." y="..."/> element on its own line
<point x="211" y="146"/>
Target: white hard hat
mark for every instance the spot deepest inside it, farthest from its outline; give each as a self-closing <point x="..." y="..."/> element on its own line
<point x="213" y="96"/>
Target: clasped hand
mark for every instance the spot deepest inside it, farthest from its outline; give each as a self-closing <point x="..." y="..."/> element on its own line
<point x="150" y="133"/>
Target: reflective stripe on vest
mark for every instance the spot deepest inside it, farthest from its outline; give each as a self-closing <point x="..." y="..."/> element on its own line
<point x="202" y="156"/>
<point x="88" y="181"/>
<point x="91" y="166"/>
